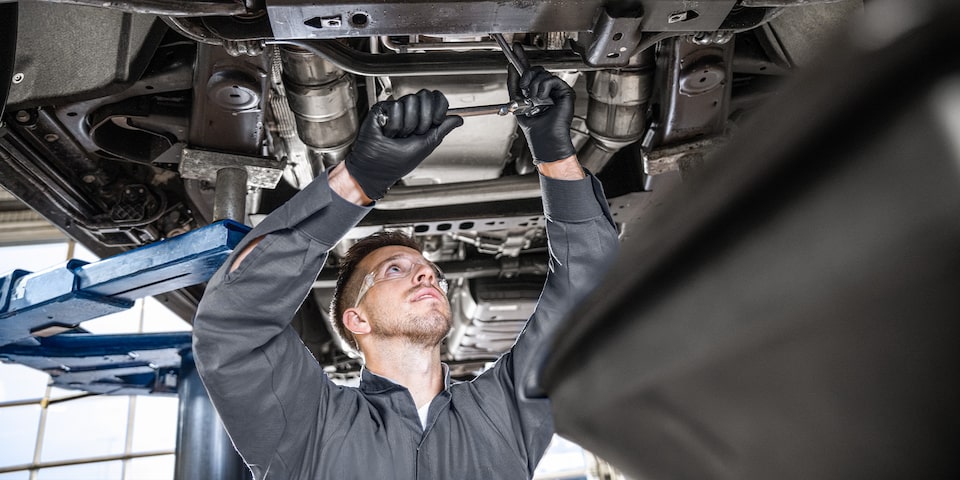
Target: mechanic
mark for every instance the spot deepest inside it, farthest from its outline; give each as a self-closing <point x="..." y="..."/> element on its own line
<point x="407" y="419"/>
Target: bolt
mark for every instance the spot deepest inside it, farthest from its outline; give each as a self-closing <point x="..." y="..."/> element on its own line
<point x="51" y="137"/>
<point x="18" y="77"/>
<point x="23" y="116"/>
<point x="89" y="178"/>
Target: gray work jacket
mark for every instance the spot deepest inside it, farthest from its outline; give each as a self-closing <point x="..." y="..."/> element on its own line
<point x="288" y="420"/>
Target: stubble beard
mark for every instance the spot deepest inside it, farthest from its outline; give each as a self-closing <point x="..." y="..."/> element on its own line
<point x="422" y="329"/>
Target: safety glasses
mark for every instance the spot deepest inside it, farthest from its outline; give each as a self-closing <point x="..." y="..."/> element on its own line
<point x="398" y="267"/>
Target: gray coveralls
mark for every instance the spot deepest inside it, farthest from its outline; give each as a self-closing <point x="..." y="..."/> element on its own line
<point x="288" y="420"/>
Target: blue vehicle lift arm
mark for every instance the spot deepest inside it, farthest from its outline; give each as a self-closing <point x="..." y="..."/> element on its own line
<point x="36" y="307"/>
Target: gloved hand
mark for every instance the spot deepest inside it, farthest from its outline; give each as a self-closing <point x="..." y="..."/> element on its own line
<point x="548" y="132"/>
<point x="412" y="128"/>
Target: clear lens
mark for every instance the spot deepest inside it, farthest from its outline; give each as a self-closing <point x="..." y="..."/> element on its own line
<point x="398" y="267"/>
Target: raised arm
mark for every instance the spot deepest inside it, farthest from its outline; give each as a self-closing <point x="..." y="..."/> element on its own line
<point x="269" y="391"/>
<point x="582" y="243"/>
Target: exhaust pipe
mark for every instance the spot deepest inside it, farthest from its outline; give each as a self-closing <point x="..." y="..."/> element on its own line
<point x="323" y="100"/>
<point x="615" y="113"/>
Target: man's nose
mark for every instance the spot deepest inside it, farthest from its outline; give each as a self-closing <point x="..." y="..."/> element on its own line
<point x="424" y="273"/>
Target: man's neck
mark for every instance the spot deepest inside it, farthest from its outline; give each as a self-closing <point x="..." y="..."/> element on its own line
<point x="416" y="367"/>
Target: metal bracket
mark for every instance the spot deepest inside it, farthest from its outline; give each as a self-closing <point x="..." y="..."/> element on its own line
<point x="694" y="91"/>
<point x="203" y="165"/>
<point x="612" y="40"/>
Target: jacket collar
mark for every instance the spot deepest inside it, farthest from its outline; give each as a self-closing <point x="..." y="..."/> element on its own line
<point x="374" y="384"/>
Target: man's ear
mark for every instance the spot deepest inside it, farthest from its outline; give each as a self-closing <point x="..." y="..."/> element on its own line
<point x="355" y="322"/>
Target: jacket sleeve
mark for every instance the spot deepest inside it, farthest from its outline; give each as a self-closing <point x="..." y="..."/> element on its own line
<point x="583" y="244"/>
<point x="266" y="386"/>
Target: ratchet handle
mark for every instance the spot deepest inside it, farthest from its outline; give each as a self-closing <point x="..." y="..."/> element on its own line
<point x="528" y="107"/>
<point x="503" y="109"/>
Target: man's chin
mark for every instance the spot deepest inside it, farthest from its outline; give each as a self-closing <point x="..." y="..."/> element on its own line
<point x="426" y="330"/>
<point x="433" y="331"/>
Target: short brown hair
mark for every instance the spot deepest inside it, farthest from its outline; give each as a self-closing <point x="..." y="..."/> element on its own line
<point x="345" y="294"/>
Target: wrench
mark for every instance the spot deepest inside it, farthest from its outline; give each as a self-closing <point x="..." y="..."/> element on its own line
<point x="501" y="109"/>
<point x="527" y="107"/>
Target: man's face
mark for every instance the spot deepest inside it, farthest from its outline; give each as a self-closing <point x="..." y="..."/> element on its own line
<point x="401" y="296"/>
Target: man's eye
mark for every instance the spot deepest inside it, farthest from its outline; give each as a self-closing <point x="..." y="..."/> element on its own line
<point x="393" y="269"/>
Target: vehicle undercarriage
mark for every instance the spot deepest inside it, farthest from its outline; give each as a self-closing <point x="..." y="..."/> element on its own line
<point x="129" y="122"/>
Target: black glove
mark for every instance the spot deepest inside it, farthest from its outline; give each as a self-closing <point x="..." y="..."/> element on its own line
<point x="548" y="132"/>
<point x="395" y="137"/>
